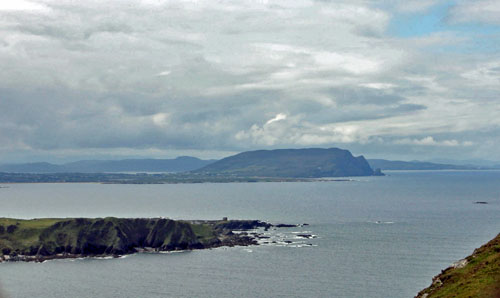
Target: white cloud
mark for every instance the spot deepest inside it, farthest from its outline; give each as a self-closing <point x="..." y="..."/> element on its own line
<point x="430" y="141"/>
<point x="163" y="73"/>
<point x="482" y="11"/>
<point x="204" y="75"/>
<point x="381" y="86"/>
<point x="160" y="119"/>
<point x="278" y="117"/>
<point x="21" y="5"/>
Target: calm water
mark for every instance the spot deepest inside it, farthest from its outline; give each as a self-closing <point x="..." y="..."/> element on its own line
<point x="427" y="221"/>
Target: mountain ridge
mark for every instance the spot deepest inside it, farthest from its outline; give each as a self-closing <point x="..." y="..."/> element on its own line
<point x="178" y="164"/>
<point x="295" y="163"/>
<point x="385" y="164"/>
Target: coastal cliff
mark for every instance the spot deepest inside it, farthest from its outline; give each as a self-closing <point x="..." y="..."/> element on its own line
<point x="42" y="239"/>
<point x="478" y="275"/>
<point x="292" y="163"/>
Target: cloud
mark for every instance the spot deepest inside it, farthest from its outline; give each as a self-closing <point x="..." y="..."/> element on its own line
<point x="413" y="6"/>
<point x="21" y="5"/>
<point x="476" y="11"/>
<point x="429" y="141"/>
<point x="278" y="117"/>
<point x="226" y="76"/>
<point x="163" y="73"/>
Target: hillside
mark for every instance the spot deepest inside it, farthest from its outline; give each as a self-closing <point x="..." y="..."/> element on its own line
<point x="179" y="164"/>
<point x="413" y="165"/>
<point x="478" y="275"/>
<point x="42" y="239"/>
<point x="303" y="163"/>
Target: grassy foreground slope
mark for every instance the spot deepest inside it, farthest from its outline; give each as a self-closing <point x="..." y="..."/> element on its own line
<point x="40" y="239"/>
<point x="478" y="275"/>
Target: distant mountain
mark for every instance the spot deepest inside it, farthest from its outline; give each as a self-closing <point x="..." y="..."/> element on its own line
<point x="482" y="163"/>
<point x="34" y="167"/>
<point x="296" y="163"/>
<point x="414" y="165"/>
<point x="179" y="164"/>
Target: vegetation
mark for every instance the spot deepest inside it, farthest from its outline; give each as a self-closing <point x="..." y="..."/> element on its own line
<point x="140" y="178"/>
<point x="41" y="239"/>
<point x="478" y="275"/>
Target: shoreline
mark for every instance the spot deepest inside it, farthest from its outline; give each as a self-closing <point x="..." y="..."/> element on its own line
<point x="71" y="238"/>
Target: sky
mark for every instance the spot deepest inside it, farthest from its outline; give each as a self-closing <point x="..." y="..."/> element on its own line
<point x="408" y="80"/>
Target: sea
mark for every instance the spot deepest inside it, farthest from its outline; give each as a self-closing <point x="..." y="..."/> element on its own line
<point x="370" y="236"/>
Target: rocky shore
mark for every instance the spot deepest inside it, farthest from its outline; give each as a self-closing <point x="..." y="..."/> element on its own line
<point x="39" y="240"/>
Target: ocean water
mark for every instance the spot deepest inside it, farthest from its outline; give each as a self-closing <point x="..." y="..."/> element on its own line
<point x="376" y="236"/>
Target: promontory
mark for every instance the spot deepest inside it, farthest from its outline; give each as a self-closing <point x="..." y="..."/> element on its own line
<point x="51" y="238"/>
<point x="476" y="276"/>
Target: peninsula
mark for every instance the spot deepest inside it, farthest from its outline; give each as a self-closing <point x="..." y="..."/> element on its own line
<point x="291" y="163"/>
<point x="54" y="238"/>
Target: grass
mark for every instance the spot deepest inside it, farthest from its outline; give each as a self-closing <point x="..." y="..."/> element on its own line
<point x="27" y="236"/>
<point x="26" y="232"/>
<point x="479" y="278"/>
<point x="204" y="232"/>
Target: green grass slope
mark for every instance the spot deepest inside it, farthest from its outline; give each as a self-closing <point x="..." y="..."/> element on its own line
<point x="478" y="275"/>
<point x="49" y="238"/>
<point x="113" y="236"/>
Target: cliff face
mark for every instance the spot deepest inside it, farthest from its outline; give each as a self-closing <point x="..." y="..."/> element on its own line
<point x="40" y="239"/>
<point x="478" y="275"/>
<point x="296" y="163"/>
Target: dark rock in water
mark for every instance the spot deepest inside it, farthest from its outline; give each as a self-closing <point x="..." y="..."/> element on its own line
<point x="242" y="225"/>
<point x="481" y="202"/>
<point x="287" y="241"/>
<point x="285" y="226"/>
<point x="308" y="236"/>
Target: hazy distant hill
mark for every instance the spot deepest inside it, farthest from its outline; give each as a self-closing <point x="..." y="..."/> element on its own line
<point x="179" y="164"/>
<point x="414" y="165"/>
<point x="312" y="162"/>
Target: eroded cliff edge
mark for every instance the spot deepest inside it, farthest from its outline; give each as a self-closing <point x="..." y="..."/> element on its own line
<point x="50" y="238"/>
<point x="478" y="275"/>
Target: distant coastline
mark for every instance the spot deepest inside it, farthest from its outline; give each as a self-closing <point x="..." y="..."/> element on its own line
<point x="12" y="178"/>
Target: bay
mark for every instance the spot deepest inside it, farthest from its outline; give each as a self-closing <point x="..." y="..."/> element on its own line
<point x="377" y="236"/>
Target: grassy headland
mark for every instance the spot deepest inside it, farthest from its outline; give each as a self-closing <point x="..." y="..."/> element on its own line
<point x="49" y="238"/>
<point x="478" y="275"/>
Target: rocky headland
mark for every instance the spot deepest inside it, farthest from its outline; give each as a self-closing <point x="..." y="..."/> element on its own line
<point x="291" y="163"/>
<point x="55" y="238"/>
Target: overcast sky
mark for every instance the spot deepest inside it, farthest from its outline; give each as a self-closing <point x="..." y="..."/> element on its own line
<point x="415" y="79"/>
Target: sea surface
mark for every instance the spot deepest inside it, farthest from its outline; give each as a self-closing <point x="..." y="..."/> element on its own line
<point x="376" y="236"/>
